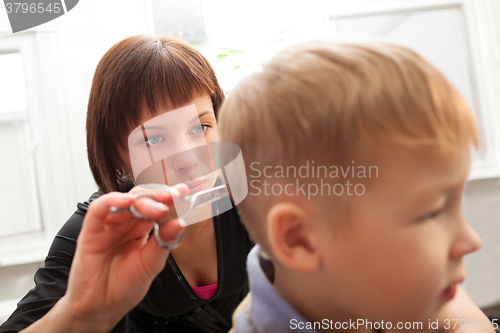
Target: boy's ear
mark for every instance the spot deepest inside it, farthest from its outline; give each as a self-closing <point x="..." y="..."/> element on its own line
<point x="291" y="238"/>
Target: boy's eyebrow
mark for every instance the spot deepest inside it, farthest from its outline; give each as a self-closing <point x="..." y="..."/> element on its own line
<point x="432" y="193"/>
<point x="158" y="127"/>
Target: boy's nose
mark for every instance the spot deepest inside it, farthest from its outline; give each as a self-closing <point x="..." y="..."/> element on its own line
<point x="467" y="240"/>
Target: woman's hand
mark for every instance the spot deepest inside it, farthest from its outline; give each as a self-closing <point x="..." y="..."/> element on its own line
<point x="115" y="262"/>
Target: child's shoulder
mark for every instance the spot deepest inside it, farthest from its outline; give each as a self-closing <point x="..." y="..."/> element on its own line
<point x="244" y="306"/>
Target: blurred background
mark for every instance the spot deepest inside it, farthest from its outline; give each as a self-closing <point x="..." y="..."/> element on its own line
<point x="46" y="73"/>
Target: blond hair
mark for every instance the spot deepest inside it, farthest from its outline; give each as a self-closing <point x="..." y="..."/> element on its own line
<point x="331" y="101"/>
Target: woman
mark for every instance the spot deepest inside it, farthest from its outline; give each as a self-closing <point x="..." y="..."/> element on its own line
<point x="138" y="79"/>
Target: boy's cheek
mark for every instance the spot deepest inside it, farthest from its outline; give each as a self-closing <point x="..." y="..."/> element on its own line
<point x="369" y="277"/>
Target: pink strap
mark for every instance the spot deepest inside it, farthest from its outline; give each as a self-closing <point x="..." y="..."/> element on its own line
<point x="206" y="292"/>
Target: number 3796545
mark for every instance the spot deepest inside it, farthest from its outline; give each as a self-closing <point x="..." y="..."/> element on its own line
<point x="471" y="323"/>
<point x="23" y="7"/>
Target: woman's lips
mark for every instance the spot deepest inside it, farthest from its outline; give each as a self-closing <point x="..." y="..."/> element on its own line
<point x="195" y="186"/>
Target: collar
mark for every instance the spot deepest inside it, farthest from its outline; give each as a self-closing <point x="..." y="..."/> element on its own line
<point x="269" y="311"/>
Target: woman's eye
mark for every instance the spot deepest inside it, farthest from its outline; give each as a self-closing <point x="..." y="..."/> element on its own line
<point x="154" y="140"/>
<point x="199" y="129"/>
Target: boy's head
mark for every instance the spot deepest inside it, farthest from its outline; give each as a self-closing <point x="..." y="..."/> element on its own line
<point x="392" y="249"/>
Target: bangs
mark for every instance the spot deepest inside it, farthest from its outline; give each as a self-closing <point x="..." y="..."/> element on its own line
<point x="173" y="78"/>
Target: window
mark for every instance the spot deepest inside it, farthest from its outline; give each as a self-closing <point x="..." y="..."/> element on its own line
<point x="19" y="199"/>
<point x="446" y="34"/>
<point x="180" y="18"/>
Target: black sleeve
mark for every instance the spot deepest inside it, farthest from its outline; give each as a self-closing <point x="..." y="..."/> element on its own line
<point x="50" y="280"/>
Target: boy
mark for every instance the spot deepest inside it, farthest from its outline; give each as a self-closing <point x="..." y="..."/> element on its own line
<point x="359" y="155"/>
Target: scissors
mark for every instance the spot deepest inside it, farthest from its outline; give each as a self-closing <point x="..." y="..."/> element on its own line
<point x="195" y="201"/>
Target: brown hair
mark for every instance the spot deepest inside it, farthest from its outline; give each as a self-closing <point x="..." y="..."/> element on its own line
<point x="137" y="74"/>
<point x="333" y="102"/>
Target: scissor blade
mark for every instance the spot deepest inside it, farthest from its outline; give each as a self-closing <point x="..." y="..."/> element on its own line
<point x="205" y="197"/>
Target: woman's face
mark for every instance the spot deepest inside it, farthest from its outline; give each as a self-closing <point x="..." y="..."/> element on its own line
<point x="171" y="147"/>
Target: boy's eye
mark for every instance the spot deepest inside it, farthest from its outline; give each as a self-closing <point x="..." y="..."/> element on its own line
<point x="199" y="129"/>
<point x="429" y="216"/>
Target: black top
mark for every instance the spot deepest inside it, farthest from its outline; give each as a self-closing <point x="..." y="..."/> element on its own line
<point x="170" y="304"/>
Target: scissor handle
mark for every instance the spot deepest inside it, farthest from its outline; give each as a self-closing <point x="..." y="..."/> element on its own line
<point x="156" y="227"/>
<point x="189" y="210"/>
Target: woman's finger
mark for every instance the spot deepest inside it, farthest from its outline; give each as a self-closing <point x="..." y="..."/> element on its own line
<point x="126" y="228"/>
<point x="99" y="208"/>
<point x="153" y="255"/>
<point x="165" y="194"/>
<point x="156" y="208"/>
<point x="98" y="212"/>
<point x="150" y="208"/>
<point x="171" y="230"/>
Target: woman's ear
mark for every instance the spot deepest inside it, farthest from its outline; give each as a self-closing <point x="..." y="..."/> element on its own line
<point x="291" y="237"/>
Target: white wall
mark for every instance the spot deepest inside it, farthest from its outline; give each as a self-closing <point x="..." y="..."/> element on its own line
<point x="482" y="210"/>
<point x="15" y="281"/>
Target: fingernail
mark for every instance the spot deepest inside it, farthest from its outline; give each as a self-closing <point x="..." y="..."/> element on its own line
<point x="175" y="193"/>
<point x="182" y="223"/>
<point x="182" y="188"/>
<point x="159" y="207"/>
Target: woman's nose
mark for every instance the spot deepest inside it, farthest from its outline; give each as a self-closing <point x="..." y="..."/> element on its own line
<point x="185" y="161"/>
<point x="467" y="240"/>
